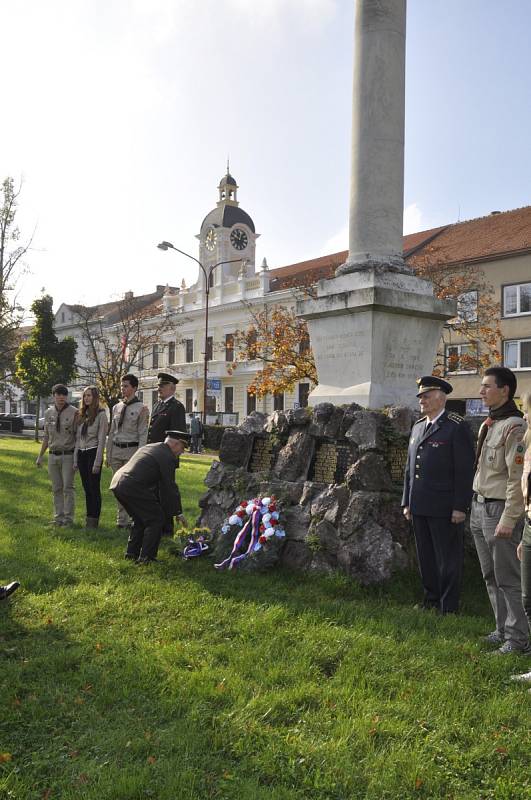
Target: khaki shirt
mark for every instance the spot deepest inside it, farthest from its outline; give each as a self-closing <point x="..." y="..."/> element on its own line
<point x="65" y="437"/>
<point x="134" y="427"/>
<point x="499" y="472"/>
<point x="94" y="437"/>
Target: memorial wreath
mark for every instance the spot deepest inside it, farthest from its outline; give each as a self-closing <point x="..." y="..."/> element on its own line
<point x="259" y="519"/>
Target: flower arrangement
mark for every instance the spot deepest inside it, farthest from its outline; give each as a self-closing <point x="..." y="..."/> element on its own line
<point x="259" y="519"/>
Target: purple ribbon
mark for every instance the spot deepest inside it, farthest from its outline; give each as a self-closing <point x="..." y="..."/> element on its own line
<point x="233" y="559"/>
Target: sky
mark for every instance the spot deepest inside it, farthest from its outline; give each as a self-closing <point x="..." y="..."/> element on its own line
<point x="118" y="116"/>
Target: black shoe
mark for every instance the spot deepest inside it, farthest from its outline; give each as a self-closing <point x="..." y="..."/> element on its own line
<point x="143" y="561"/>
<point x="5" y="591"/>
<point x="130" y="557"/>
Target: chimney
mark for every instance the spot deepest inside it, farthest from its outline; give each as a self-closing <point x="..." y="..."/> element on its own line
<point x="128" y="296"/>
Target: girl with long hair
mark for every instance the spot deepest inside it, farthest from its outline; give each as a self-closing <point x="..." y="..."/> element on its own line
<point x="88" y="454"/>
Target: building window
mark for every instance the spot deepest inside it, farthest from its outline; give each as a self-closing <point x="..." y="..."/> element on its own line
<point x="155" y="356"/>
<point x="62" y="316"/>
<point x="304" y="391"/>
<point x="278" y="401"/>
<point x="189" y="401"/>
<point x="252" y="346"/>
<point x="209" y="348"/>
<point x="210" y="405"/>
<point x="467" y="306"/>
<point x="517" y="354"/>
<point x="251" y="403"/>
<point x="461" y="358"/>
<point x="140" y="395"/>
<point x="171" y="353"/>
<point x="517" y="299"/>
<point x="2" y="406"/>
<point x="229" y="399"/>
<point x="189" y="348"/>
<point x="13" y="407"/>
<point x="154" y="398"/>
<point x="140" y="359"/>
<point x="229" y="347"/>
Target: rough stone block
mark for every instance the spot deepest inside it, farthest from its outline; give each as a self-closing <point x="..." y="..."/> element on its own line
<point x="235" y="448"/>
<point x="294" y="459"/>
<point x="367" y="430"/>
<point x="254" y="423"/>
<point x="370" y="473"/>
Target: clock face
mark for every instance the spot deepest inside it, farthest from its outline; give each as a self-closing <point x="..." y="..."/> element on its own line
<point x="239" y="239"/>
<point x="210" y="239"/>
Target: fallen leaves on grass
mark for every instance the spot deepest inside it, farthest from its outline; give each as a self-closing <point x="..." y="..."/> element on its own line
<point x="151" y="759"/>
<point x="5" y="757"/>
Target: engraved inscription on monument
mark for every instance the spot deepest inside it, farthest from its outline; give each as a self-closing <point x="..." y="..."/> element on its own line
<point x="262" y="455"/>
<point x="331" y="463"/>
<point x="397" y="461"/>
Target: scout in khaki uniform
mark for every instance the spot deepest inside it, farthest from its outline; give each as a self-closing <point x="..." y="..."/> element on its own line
<point x="60" y="424"/>
<point x="497" y="515"/>
<point x="128" y="432"/>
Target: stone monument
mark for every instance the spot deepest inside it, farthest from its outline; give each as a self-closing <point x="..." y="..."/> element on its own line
<point x="375" y="327"/>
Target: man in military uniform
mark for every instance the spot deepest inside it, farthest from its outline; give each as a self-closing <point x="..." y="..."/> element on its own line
<point x="168" y="414"/>
<point x="146" y="488"/>
<point x="128" y="432"/>
<point x="60" y="424"/>
<point x="437" y="493"/>
<point x="497" y="515"/>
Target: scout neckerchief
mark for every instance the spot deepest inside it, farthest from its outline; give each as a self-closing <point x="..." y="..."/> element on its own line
<point x="86" y="422"/>
<point x="124" y="409"/>
<point x="58" y="420"/>
<point x="508" y="409"/>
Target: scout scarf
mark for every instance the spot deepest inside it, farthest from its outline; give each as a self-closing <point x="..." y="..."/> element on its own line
<point x="124" y="409"/>
<point x="87" y="422"/>
<point x="509" y="409"/>
<point x="58" y="420"/>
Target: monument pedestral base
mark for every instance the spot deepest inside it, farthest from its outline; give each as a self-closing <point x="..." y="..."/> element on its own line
<point x="373" y="333"/>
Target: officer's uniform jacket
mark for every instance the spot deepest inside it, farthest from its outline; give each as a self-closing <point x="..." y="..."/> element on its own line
<point x="500" y="467"/>
<point x="134" y="428"/>
<point x="63" y="439"/>
<point x="167" y="415"/>
<point x="152" y="467"/>
<point x="440" y="467"/>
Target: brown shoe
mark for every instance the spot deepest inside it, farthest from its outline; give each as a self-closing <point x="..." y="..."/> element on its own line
<point x="92" y="522"/>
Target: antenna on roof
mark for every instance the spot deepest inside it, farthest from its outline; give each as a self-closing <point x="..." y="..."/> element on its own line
<point x="228" y="171"/>
<point x="459" y="213"/>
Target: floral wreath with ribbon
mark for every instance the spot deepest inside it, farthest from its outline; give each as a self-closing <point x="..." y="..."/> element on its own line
<point x="259" y="519"/>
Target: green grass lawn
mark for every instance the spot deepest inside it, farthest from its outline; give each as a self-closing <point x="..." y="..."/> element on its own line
<point x="175" y="681"/>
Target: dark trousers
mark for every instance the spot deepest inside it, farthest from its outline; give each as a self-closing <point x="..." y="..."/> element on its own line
<point x="167" y="525"/>
<point x="196" y="443"/>
<point x="143" y="507"/>
<point x="440" y="555"/>
<point x="526" y="571"/>
<point x="90" y="481"/>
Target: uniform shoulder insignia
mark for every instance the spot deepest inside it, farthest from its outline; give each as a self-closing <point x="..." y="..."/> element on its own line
<point x="422" y="419"/>
<point x="457" y="418"/>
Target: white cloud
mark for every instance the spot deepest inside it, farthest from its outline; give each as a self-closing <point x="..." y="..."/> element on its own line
<point x="412" y="219"/>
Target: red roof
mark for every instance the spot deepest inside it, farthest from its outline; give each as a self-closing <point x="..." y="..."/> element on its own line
<point x="484" y="238"/>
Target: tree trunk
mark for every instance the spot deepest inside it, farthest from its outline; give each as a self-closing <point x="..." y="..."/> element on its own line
<point x="37" y="415"/>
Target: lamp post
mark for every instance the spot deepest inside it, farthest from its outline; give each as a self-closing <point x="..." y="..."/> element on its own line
<point x="207" y="272"/>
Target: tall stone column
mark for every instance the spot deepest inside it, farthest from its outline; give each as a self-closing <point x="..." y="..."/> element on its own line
<point x="375" y="327"/>
<point x="377" y="160"/>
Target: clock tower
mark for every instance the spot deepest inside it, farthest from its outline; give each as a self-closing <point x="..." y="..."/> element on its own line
<point x="227" y="234"/>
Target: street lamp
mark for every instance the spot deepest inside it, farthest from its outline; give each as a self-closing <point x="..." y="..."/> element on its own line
<point x="207" y="272"/>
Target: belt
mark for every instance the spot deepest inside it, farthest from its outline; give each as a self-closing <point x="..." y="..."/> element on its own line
<point x="61" y="452"/>
<point x="86" y="449"/>
<point x="125" y="444"/>
<point x="480" y="499"/>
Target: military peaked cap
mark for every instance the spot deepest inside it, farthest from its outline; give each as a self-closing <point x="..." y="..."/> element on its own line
<point x="429" y="382"/>
<point x="165" y="377"/>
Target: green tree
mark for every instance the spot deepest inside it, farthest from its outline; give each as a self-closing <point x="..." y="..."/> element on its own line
<point x="43" y="360"/>
<point x="11" y="255"/>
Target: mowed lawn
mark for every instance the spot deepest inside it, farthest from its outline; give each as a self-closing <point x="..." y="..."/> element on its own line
<point x="175" y="681"/>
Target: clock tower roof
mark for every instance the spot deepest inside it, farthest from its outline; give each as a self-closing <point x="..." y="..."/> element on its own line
<point x="225" y="216"/>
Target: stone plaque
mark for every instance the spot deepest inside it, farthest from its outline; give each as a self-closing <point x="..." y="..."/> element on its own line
<point x="262" y="455"/>
<point x="331" y="462"/>
<point x="397" y="458"/>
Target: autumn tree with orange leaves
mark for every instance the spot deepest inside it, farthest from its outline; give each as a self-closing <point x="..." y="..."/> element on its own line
<point x="470" y="341"/>
<point x="280" y="341"/>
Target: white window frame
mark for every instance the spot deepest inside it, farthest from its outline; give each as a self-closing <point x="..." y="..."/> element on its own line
<point x="459" y="345"/>
<point x="518" y="342"/>
<point x="516" y="313"/>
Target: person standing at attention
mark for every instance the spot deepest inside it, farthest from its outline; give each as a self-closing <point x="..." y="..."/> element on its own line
<point x="437" y="493"/>
<point x="497" y="516"/>
<point x="128" y="432"/>
<point x="88" y="454"/>
<point x="60" y="423"/>
<point x="168" y="414"/>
